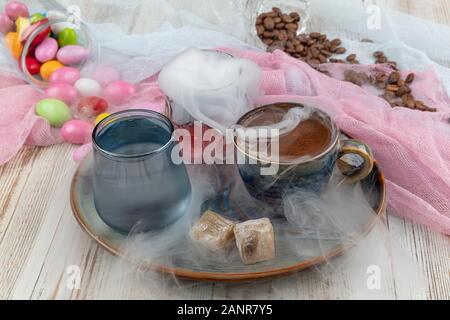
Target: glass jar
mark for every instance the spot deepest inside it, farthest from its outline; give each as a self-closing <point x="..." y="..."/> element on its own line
<point x="84" y="39"/>
<point x="253" y="8"/>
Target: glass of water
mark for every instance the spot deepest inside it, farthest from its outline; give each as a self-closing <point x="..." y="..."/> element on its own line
<point x="137" y="185"/>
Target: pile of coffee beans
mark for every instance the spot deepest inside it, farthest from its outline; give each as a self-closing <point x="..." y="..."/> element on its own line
<point x="278" y="31"/>
<point x="275" y="26"/>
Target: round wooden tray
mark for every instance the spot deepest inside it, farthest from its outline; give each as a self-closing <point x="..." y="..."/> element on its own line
<point x="83" y="207"/>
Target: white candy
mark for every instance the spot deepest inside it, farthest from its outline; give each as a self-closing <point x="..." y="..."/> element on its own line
<point x="88" y="87"/>
<point x="255" y="240"/>
<point x="213" y="232"/>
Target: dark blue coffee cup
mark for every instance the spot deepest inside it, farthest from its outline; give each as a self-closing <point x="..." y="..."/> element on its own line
<point x="310" y="174"/>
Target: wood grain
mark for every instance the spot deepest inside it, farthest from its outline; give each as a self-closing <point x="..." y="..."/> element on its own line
<point x="40" y="240"/>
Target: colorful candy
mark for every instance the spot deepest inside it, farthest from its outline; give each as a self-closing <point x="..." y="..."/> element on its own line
<point x="67" y="37"/>
<point x="119" y="92"/>
<point x="88" y="87"/>
<point x="22" y="24"/>
<point x="52" y="44"/>
<point x="92" y="106"/>
<point x="56" y="112"/>
<point x="6" y="24"/>
<point x="100" y="117"/>
<point x="14" y="44"/>
<point x="62" y="91"/>
<point x="49" y="67"/>
<point x="15" y="9"/>
<point x="65" y="75"/>
<point x="46" y="50"/>
<point x="36" y="17"/>
<point x="72" y="54"/>
<point x="33" y="66"/>
<point x="76" y="131"/>
<point x="32" y="30"/>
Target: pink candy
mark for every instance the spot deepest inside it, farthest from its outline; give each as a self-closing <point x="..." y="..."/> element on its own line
<point x="76" y="131"/>
<point x="119" y="92"/>
<point x="72" y="54"/>
<point x="15" y="9"/>
<point x="62" y="91"/>
<point x="46" y="50"/>
<point x="65" y="75"/>
<point x="6" y="23"/>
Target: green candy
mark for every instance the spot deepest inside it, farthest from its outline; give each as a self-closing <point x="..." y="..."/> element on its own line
<point x="36" y="17"/>
<point x="67" y="37"/>
<point x="56" y="112"/>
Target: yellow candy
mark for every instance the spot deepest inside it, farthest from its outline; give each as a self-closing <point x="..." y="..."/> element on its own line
<point x="21" y="25"/>
<point x="14" y="44"/>
<point x="100" y="117"/>
<point x="49" y="67"/>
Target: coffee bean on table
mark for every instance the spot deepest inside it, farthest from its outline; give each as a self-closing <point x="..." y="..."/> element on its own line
<point x="408" y="101"/>
<point x="351" y="57"/>
<point x="410" y="78"/>
<point x="378" y="54"/>
<point x="394" y="77"/>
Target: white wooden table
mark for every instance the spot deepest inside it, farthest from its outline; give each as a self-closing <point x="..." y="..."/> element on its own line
<point x="40" y="241"/>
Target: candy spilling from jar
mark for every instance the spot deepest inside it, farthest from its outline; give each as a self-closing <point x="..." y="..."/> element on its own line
<point x="52" y="43"/>
<point x="73" y="103"/>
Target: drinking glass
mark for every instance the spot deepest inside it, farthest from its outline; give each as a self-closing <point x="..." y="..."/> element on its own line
<point x="137" y="185"/>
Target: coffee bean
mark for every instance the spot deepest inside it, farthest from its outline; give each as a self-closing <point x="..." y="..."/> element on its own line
<point x="299" y="48"/>
<point x="408" y="101"/>
<point x="269" y="24"/>
<point x="292" y="26"/>
<point x="394" y="77"/>
<point x="291" y="35"/>
<point x="295" y="16"/>
<point x="268" y="34"/>
<point x="410" y="78"/>
<point x="420" y="105"/>
<point x="351" y="57"/>
<point x="402" y="91"/>
<point x="287" y="18"/>
<point x="314" y="35"/>
<point x="340" y="50"/>
<point x="392" y="87"/>
<point x="381" y="60"/>
<point x="267" y="41"/>
<point x="260" y="29"/>
<point x="283" y="36"/>
<point x="277" y="10"/>
<point x="280" y="25"/>
<point x="315" y="52"/>
<point x="336" y="42"/>
<point x="378" y="54"/>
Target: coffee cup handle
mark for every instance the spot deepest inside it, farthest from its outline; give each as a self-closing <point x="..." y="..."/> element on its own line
<point x="356" y="147"/>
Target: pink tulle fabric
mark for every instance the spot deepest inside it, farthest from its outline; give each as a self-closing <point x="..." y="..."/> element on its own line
<point x="412" y="147"/>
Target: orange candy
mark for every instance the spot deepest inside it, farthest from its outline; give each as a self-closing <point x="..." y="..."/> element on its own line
<point x="14" y="44"/>
<point x="49" y="67"/>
